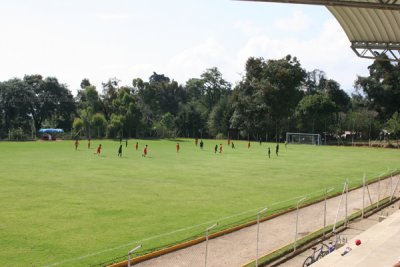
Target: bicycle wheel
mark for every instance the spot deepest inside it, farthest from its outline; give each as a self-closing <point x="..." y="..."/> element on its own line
<point x="308" y="261"/>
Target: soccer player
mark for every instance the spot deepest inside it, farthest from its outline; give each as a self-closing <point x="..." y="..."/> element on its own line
<point x="137" y="145"/>
<point x="233" y="145"/>
<point x="220" y="148"/>
<point x="229" y="141"/>
<point x="201" y="144"/>
<point x="126" y="142"/>
<point x="277" y="149"/>
<point x="98" y="150"/>
<point x="120" y="151"/>
<point x="144" y="151"/>
<point x="248" y="145"/>
<point x="260" y="141"/>
<point x="215" y="149"/>
<point x="88" y="144"/>
<point x="177" y="147"/>
<point x="269" y="152"/>
<point x="76" y="144"/>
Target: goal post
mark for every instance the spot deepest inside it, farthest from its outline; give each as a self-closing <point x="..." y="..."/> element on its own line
<point x="303" y="138"/>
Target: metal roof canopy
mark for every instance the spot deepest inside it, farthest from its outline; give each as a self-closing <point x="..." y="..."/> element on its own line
<point x="372" y="26"/>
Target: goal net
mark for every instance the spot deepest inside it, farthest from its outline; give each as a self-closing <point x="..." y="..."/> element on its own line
<point x="303" y="138"/>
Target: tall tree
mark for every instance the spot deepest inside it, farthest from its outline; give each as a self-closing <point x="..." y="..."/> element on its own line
<point x="53" y="101"/>
<point x="17" y="103"/>
<point x="337" y="95"/>
<point x="393" y="125"/>
<point x="268" y="93"/>
<point x="313" y="81"/>
<point x="213" y="87"/>
<point x="99" y="123"/>
<point x="382" y="88"/>
<point x="85" y="83"/>
<point x="219" y="119"/>
<point x="110" y="89"/>
<point x="315" y="113"/>
<point x="126" y="108"/>
<point x="191" y="120"/>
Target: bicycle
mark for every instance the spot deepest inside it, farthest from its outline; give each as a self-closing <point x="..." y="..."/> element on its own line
<point x="316" y="255"/>
<point x="339" y="241"/>
<point x="324" y="250"/>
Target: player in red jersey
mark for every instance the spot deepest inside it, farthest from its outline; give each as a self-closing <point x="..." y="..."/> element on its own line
<point x="98" y="150"/>
<point x="76" y="144"/>
<point x="144" y="151"/>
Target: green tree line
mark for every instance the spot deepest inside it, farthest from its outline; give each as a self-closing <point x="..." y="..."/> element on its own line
<point x="273" y="97"/>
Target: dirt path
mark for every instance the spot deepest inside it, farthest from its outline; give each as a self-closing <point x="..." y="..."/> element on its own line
<point x="238" y="248"/>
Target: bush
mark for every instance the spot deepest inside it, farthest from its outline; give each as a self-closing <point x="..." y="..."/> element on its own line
<point x="18" y="135"/>
<point x="220" y="136"/>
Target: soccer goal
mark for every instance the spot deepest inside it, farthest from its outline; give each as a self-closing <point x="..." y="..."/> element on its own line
<point x="303" y="138"/>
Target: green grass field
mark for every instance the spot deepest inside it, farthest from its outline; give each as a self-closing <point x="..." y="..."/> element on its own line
<point x="61" y="207"/>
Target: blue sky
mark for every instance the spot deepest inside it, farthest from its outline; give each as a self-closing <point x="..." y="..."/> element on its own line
<point x="126" y="39"/>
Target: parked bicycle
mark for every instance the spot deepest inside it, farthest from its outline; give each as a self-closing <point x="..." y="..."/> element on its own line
<point x="339" y="241"/>
<point x="324" y="250"/>
<point x="316" y="255"/>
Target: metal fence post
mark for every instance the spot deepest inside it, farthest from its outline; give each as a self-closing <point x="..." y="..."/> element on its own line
<point x="258" y="231"/>
<point x="391" y="184"/>
<point x="297" y="222"/>
<point x="326" y="194"/>
<point x="363" y="198"/>
<point x="207" y="230"/>
<point x="379" y="191"/>
<point x="130" y="252"/>
<point x="347" y="192"/>
<point x="340" y="204"/>
<point x="395" y="188"/>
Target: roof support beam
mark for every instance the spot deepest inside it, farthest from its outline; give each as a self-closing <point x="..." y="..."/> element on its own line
<point x="375" y="4"/>
<point x="375" y="50"/>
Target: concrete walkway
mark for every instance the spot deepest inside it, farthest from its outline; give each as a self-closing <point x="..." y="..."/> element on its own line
<point x="239" y="248"/>
<point x="354" y="229"/>
<point x="380" y="246"/>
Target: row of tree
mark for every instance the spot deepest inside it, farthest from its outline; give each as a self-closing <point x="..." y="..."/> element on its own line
<point x="273" y="97"/>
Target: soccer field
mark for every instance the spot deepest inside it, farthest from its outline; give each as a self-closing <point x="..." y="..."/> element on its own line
<point x="61" y="207"/>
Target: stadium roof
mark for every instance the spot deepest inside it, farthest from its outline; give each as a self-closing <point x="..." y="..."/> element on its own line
<point x="372" y="26"/>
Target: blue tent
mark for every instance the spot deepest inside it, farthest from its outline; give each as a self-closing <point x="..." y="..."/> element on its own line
<point x="50" y="130"/>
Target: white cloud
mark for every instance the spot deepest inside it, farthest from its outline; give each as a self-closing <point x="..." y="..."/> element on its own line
<point x="195" y="60"/>
<point x="51" y="46"/>
<point x="329" y="51"/>
<point x="298" y="21"/>
<point x="113" y="16"/>
<point x="247" y="27"/>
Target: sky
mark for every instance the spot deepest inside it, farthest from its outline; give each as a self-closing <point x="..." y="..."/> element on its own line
<point x="126" y="39"/>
